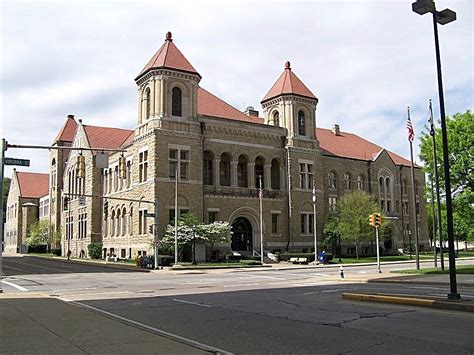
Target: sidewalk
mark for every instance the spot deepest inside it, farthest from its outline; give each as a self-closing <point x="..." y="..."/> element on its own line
<point x="38" y="324"/>
<point x="463" y="280"/>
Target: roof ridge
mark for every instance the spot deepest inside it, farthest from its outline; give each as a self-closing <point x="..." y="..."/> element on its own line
<point x="125" y="129"/>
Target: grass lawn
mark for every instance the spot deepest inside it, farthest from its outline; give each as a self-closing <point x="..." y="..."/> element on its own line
<point x="460" y="269"/>
<point x="373" y="259"/>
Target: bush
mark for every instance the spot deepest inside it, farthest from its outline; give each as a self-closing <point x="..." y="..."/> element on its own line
<point x="250" y="262"/>
<point x="56" y="252"/>
<point x="256" y="258"/>
<point x="95" y="250"/>
<point x="165" y="260"/>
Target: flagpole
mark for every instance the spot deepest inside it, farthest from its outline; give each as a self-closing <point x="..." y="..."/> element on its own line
<point x="434" y="224"/>
<point x="260" y="195"/>
<point x="415" y="221"/>
<point x="176" y="215"/>
<point x="314" y="226"/>
<point x="438" y="199"/>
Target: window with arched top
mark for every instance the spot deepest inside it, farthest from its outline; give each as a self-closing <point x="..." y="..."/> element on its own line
<point x="176" y="102"/>
<point x="224" y="169"/>
<point x="332" y="184"/>
<point x="276" y="119"/>
<point x="381" y="185"/>
<point x="242" y="179"/>
<point x="259" y="169"/>
<point x="147" y="103"/>
<point x="347" y="181"/>
<point x="360" y="183"/>
<point x="275" y="174"/>
<point x="207" y="168"/>
<point x="123" y="222"/>
<point x="385" y="190"/>
<point x="301" y="123"/>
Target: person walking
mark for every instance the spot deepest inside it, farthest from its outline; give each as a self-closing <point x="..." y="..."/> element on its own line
<point x="341" y="272"/>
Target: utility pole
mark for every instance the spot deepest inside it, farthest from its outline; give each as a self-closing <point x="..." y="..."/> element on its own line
<point x="4" y="147"/>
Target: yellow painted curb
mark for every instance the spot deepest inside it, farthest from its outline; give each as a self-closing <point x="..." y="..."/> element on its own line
<point x="389" y="299"/>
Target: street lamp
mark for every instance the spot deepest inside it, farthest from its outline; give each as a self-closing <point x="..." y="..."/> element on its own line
<point x="444" y="17"/>
<point x="194" y="245"/>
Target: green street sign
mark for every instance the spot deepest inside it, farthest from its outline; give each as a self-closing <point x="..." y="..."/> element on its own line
<point x="16" y="161"/>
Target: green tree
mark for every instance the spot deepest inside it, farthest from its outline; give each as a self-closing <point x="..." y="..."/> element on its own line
<point x="41" y="233"/>
<point x="353" y="224"/>
<point x="461" y="160"/>
<point x="217" y="233"/>
<point x="331" y="232"/>
<point x="6" y="188"/>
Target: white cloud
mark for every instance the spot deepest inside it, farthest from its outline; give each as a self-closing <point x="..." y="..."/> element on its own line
<point x="365" y="60"/>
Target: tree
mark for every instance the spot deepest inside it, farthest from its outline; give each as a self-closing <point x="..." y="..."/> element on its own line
<point x="188" y="229"/>
<point x="41" y="233"/>
<point x="353" y="224"/>
<point x="461" y="160"/>
<point x="217" y="233"/>
<point x="6" y="188"/>
<point x="331" y="232"/>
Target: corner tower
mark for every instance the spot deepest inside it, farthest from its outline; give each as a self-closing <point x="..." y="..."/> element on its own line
<point x="290" y="104"/>
<point x="167" y="89"/>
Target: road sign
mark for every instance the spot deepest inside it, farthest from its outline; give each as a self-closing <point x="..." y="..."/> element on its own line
<point x="16" y="161"/>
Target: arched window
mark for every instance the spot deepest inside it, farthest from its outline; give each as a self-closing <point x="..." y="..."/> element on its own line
<point x="259" y="167"/>
<point x="105" y="181"/>
<point x="276" y="119"/>
<point x="130" y="221"/>
<point x="301" y="123"/>
<point x="347" y="181"/>
<point x="123" y="222"/>
<point x="275" y="174"/>
<point x="176" y="103"/>
<point x="116" y="178"/>
<point x="332" y="183"/>
<point x="147" y="103"/>
<point x="242" y="179"/>
<point x="385" y="190"/>
<point x="224" y="170"/>
<point x="381" y="185"/>
<point x="207" y="168"/>
<point x="118" y="219"/>
<point x="112" y="223"/>
<point x="360" y="183"/>
<point x="388" y="185"/>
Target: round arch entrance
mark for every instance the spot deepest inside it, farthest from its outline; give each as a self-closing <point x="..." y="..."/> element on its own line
<point x="242" y="236"/>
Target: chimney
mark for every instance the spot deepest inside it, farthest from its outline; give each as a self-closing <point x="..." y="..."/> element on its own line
<point x="70" y="116"/>
<point x="250" y="111"/>
<point x="335" y="130"/>
<point x="80" y="120"/>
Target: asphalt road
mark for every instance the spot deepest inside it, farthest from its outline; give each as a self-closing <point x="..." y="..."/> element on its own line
<point x="267" y="311"/>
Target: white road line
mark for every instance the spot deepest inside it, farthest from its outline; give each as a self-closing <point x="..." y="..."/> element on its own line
<point x="265" y="277"/>
<point x="22" y="289"/>
<point x="335" y="290"/>
<point x="155" y="330"/>
<point x="193" y="303"/>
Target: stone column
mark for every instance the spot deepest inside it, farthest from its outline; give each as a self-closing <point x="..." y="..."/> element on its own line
<point x="251" y="175"/>
<point x="267" y="174"/>
<point x="233" y="173"/>
<point x="162" y="96"/>
<point x="215" y="173"/>
<point x="152" y="98"/>
<point x="282" y="178"/>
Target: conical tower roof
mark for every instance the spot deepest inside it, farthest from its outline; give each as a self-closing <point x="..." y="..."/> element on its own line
<point x="169" y="56"/>
<point x="288" y="83"/>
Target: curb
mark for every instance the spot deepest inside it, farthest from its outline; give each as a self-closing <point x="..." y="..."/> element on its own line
<point x="460" y="305"/>
<point x="92" y="263"/>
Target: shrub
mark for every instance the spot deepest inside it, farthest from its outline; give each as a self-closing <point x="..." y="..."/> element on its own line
<point x="257" y="258"/>
<point x="95" y="250"/>
<point x="165" y="260"/>
<point x="250" y="262"/>
<point x="231" y="257"/>
<point x="56" y="251"/>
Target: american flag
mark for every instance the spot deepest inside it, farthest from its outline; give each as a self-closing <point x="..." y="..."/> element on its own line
<point x="411" y="132"/>
<point x="260" y="190"/>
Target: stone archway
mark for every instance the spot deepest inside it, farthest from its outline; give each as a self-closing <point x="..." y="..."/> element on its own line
<point x="242" y="236"/>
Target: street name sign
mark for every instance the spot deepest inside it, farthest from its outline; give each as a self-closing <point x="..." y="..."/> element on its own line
<point x="16" y="161"/>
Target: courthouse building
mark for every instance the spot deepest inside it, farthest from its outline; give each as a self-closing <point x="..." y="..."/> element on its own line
<point x="218" y="154"/>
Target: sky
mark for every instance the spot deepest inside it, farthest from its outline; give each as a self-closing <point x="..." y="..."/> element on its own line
<point x="366" y="61"/>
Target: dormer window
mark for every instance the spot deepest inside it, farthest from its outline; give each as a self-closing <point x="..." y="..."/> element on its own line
<point x="176" y="102"/>
<point x="301" y="124"/>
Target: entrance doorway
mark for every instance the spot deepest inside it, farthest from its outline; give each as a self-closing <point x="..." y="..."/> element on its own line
<point x="242" y="235"/>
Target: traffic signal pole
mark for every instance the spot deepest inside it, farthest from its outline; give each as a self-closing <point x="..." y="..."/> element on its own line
<point x="378" y="248"/>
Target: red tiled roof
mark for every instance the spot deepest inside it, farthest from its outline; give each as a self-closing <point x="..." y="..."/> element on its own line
<point x="288" y="83"/>
<point x="210" y="105"/>
<point x="33" y="185"/>
<point x="169" y="56"/>
<point x="68" y="130"/>
<point x="352" y="146"/>
<point x="107" y="137"/>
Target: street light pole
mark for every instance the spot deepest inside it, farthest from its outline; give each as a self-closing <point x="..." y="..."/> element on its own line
<point x="443" y="17"/>
<point x="314" y="226"/>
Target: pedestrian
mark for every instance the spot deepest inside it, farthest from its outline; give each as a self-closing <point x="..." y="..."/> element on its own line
<point x="69" y="254"/>
<point x="341" y="272"/>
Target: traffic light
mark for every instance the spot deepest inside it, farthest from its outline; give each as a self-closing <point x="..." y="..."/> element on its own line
<point x="122" y="167"/>
<point x="378" y="219"/>
<point x="150" y="228"/>
<point x="372" y="219"/>
<point x="81" y="166"/>
<point x="66" y="203"/>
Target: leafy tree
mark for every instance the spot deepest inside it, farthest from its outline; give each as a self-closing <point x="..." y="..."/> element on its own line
<point x="217" y="233"/>
<point x="41" y="233"/>
<point x="353" y="224"/>
<point x="331" y="232"/>
<point x="6" y="188"/>
<point x="95" y="250"/>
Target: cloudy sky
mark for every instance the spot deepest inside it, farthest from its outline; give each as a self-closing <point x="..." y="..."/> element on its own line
<point x="366" y="61"/>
